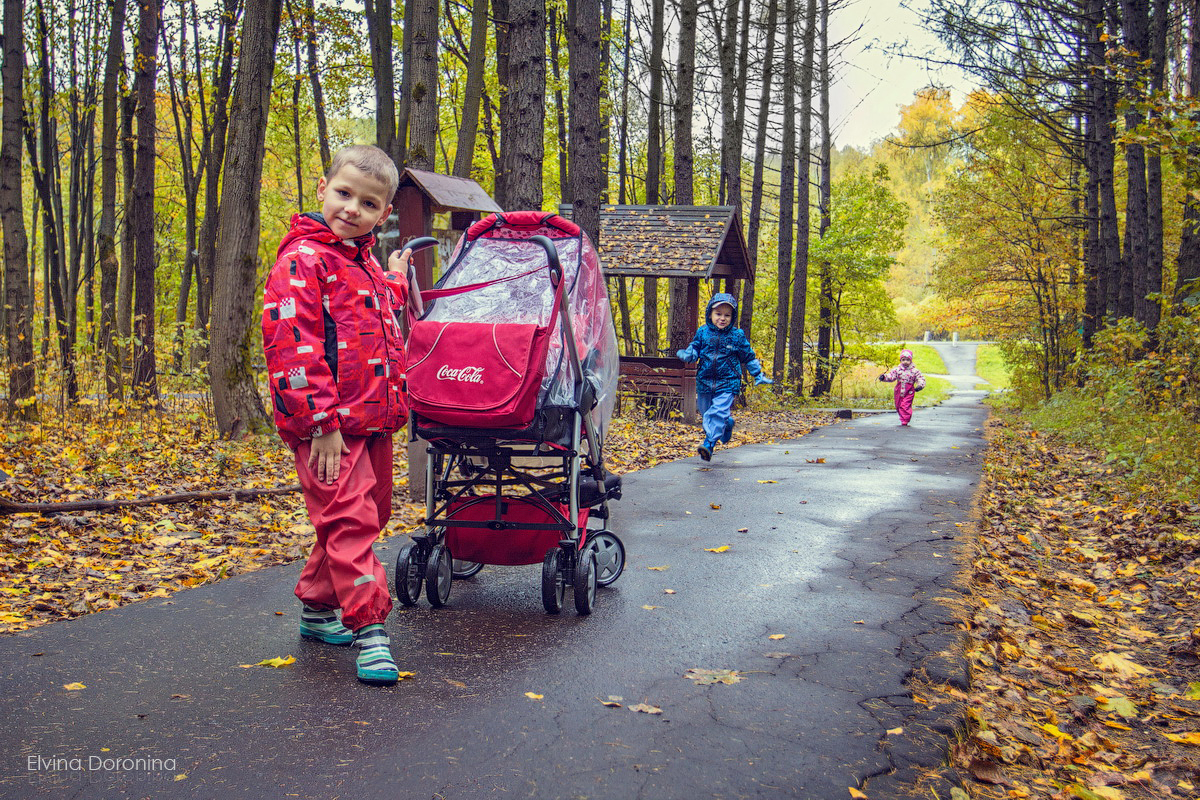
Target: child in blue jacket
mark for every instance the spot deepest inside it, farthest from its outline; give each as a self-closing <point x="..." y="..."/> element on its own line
<point x="721" y="350"/>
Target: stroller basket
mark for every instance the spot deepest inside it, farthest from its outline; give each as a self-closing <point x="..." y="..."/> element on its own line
<point x="513" y="418"/>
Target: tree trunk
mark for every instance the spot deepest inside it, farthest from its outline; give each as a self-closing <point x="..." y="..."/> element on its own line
<point x="746" y="312"/>
<point x="214" y="158"/>
<point x="804" y="159"/>
<point x="586" y="168"/>
<point x="685" y="99"/>
<point x="191" y="167"/>
<point x="1131" y="299"/>
<point x="107" y="234"/>
<point x="314" y="77"/>
<point x="464" y="153"/>
<point x="236" y="401"/>
<point x="1187" y="279"/>
<point x="145" y="367"/>
<point x="654" y="123"/>
<point x="1151" y="309"/>
<point x="18" y="298"/>
<point x="379" y="37"/>
<point x="423" y="91"/>
<point x="48" y="182"/>
<point x="623" y="133"/>
<point x="560" y="107"/>
<point x="787" y="193"/>
<point x="502" y="16"/>
<point x="523" y="119"/>
<point x="826" y="368"/>
<point x="125" y="277"/>
<point x="731" y="135"/>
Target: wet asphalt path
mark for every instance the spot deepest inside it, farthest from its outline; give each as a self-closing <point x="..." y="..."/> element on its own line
<point x="850" y="538"/>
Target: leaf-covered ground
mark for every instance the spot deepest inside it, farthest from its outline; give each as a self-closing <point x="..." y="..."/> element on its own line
<point x="1082" y="608"/>
<point x="59" y="565"/>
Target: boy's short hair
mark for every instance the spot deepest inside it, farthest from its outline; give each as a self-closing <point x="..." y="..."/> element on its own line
<point x="371" y="160"/>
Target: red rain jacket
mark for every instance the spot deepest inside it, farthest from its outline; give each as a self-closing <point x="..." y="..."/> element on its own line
<point x="333" y="343"/>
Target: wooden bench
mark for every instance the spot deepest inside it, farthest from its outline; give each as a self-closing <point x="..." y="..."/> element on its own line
<point x="661" y="384"/>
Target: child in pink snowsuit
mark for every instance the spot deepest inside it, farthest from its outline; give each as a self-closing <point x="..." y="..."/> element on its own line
<point x="908" y="380"/>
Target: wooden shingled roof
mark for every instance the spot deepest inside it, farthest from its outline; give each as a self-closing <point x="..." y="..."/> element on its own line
<point x="672" y="241"/>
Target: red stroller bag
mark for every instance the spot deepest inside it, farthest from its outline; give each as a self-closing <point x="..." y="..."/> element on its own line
<point x="478" y="374"/>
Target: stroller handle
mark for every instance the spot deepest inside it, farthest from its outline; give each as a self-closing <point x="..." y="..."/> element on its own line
<point x="420" y="243"/>
<point x="551" y="256"/>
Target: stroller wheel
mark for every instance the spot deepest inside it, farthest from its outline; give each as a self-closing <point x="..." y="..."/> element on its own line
<point x="464" y="569"/>
<point x="554" y="587"/>
<point x="438" y="576"/>
<point x="610" y="556"/>
<point x="585" y="582"/>
<point x="410" y="572"/>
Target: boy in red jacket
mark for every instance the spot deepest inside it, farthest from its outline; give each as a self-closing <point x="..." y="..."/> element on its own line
<point x="335" y="356"/>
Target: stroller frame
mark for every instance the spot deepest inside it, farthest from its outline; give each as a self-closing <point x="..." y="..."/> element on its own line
<point x="542" y="493"/>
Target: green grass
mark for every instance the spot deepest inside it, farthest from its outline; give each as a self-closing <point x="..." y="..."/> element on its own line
<point x="1154" y="449"/>
<point x="989" y="365"/>
<point x="926" y="358"/>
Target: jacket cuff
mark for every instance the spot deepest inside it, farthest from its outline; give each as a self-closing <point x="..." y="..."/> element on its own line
<point x="326" y="425"/>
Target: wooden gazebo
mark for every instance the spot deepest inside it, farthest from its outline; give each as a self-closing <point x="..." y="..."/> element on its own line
<point x="422" y="194"/>
<point x="691" y="242"/>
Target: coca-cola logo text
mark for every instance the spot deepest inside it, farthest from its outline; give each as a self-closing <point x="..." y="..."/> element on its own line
<point x="462" y="374"/>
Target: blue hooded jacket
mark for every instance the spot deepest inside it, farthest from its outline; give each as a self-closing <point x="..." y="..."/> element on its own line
<point x="721" y="353"/>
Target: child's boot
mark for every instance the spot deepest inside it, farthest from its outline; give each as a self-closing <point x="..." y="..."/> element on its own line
<point x="375" y="664"/>
<point x="706" y="449"/>
<point x="728" y="434"/>
<point x="323" y="626"/>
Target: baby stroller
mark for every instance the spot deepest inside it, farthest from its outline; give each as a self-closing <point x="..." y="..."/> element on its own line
<point x="512" y="376"/>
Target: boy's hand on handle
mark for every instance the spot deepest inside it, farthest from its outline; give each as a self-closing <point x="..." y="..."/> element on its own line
<point x="325" y="456"/>
<point x="684" y="355"/>
<point x="401" y="261"/>
<point x="763" y="380"/>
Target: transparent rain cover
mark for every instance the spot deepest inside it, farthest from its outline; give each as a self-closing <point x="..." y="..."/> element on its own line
<point x="503" y="252"/>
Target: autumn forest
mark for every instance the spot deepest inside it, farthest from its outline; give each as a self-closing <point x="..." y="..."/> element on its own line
<point x="152" y="154"/>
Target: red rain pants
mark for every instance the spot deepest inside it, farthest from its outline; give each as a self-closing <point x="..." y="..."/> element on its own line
<point x="904" y="402"/>
<point x="343" y="571"/>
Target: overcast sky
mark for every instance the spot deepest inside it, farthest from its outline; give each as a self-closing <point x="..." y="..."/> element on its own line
<point x="874" y="80"/>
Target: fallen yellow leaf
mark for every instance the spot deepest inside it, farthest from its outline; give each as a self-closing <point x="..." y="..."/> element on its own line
<point x="720" y="549"/>
<point x="1055" y="732"/>
<point x="645" y="708"/>
<point x="1190" y="737"/>
<point x="768" y="481"/>
<point x="651" y="608"/>
<point x="895" y="731"/>
<point x="856" y="794"/>
<point x="272" y="662"/>
<point x="1120" y="664"/>
<point x="534" y="696"/>
<point x="777" y="635"/>
<point x="715" y="506"/>
<point x="73" y="687"/>
<point x="658" y="569"/>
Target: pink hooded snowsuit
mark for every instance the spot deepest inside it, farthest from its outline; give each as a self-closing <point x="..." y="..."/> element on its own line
<point x="908" y="380"/>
